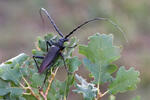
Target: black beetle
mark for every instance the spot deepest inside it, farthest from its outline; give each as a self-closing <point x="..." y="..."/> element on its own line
<point x="57" y="48"/>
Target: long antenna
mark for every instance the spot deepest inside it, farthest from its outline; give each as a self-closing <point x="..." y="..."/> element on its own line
<point x="51" y="21"/>
<point x="106" y="19"/>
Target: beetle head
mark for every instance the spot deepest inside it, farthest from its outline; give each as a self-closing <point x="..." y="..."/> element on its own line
<point x="61" y="41"/>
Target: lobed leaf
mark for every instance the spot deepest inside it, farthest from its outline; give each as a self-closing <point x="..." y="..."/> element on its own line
<point x="72" y="42"/>
<point x="73" y="64"/>
<point x="60" y="89"/>
<point x="42" y="44"/>
<point x="125" y="80"/>
<point x="100" y="53"/>
<point x="88" y="90"/>
<point x="37" y="80"/>
<point x="5" y="89"/>
<point x="11" y="71"/>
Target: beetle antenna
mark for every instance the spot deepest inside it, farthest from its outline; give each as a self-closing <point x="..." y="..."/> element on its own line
<point x="106" y="19"/>
<point x="51" y="21"/>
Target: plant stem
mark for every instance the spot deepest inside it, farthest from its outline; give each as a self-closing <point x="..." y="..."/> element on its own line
<point x="25" y="88"/>
<point x="64" y="97"/>
<point x="104" y="93"/>
<point x="44" y="95"/>
<point x="29" y="87"/>
<point x="98" y="94"/>
<point x="50" y="81"/>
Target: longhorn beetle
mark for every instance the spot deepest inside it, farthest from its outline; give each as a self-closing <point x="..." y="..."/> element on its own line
<point x="56" y="48"/>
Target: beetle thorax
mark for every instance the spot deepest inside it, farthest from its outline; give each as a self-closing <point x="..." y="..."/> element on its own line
<point x="61" y="43"/>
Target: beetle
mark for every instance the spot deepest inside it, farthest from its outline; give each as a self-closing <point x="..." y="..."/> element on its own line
<point x="56" y="49"/>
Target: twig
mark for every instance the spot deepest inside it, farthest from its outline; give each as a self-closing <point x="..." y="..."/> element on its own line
<point x="25" y="88"/>
<point x="104" y="93"/>
<point x="49" y="84"/>
<point x="43" y="95"/>
<point x="100" y="95"/>
<point x="29" y="87"/>
<point x="64" y="97"/>
<point x="50" y="81"/>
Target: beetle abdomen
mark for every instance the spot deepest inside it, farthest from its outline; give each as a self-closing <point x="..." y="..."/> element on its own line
<point x="49" y="58"/>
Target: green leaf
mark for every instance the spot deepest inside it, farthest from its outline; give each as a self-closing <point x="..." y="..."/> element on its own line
<point x="100" y="53"/>
<point x="50" y="36"/>
<point x="15" y="91"/>
<point x="42" y="41"/>
<point x="37" y="52"/>
<point x="42" y="44"/>
<point x="8" y="62"/>
<point x="11" y="71"/>
<point x="5" y="88"/>
<point x="37" y="80"/>
<point x="65" y="86"/>
<point x="94" y="71"/>
<point x="29" y="97"/>
<point x="88" y="90"/>
<point x="73" y="64"/>
<point x="60" y="89"/>
<point x="112" y="68"/>
<point x="112" y="97"/>
<point x="125" y="80"/>
<point x="136" y="98"/>
<point x="10" y="76"/>
<point x="53" y="93"/>
<point x="72" y="42"/>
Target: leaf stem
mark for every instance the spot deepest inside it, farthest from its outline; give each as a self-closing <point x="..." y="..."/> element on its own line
<point x="98" y="84"/>
<point x="98" y="93"/>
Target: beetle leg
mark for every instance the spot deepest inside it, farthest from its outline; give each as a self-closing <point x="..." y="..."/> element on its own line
<point x="65" y="64"/>
<point x="44" y="80"/>
<point x="39" y="57"/>
<point x="49" y="43"/>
